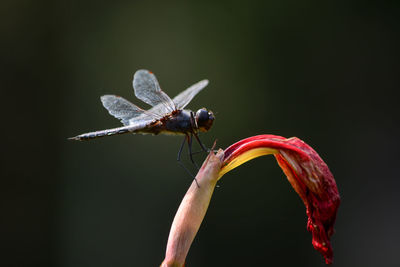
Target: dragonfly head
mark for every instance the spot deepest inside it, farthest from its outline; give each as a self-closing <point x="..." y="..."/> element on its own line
<point x="204" y="119"/>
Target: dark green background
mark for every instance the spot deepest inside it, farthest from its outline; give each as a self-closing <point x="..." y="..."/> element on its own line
<point x="324" y="71"/>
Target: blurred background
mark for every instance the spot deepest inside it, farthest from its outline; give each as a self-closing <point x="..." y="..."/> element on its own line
<point x="324" y="71"/>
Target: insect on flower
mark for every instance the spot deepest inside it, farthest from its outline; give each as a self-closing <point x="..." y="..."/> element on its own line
<point x="305" y="170"/>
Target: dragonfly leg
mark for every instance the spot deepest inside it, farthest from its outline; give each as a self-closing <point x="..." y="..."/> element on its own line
<point x="180" y="149"/>
<point x="181" y="163"/>
<point x="190" y="141"/>
<point x="203" y="148"/>
<point x="200" y="143"/>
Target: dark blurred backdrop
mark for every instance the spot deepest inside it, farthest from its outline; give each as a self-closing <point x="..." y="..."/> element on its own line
<point x="324" y="71"/>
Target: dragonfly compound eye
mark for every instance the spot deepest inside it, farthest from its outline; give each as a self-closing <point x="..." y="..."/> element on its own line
<point x="204" y="119"/>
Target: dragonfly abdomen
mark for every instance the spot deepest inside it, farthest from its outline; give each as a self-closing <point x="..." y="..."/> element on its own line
<point x="102" y="133"/>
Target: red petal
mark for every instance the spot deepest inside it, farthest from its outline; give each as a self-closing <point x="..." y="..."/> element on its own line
<point x="309" y="176"/>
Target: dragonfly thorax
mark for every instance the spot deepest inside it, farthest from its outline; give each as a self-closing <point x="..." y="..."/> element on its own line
<point x="179" y="122"/>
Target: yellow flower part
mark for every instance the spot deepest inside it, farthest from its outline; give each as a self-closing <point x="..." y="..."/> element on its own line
<point x="244" y="157"/>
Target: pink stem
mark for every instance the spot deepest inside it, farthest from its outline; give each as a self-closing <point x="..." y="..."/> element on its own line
<point x="192" y="211"/>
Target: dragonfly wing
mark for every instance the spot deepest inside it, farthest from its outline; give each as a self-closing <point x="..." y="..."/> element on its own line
<point x="122" y="109"/>
<point x="148" y="90"/>
<point x="186" y="96"/>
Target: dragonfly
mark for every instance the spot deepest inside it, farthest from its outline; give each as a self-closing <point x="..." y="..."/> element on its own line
<point x="167" y="116"/>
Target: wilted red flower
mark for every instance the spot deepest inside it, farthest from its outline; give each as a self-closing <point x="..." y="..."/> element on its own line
<point x="306" y="172"/>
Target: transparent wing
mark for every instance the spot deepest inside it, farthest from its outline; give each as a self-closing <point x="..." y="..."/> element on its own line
<point x="186" y="96"/>
<point x="148" y="90"/>
<point x="141" y="122"/>
<point x="124" y="110"/>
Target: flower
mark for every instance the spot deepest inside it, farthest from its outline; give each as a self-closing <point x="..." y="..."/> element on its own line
<point x="305" y="170"/>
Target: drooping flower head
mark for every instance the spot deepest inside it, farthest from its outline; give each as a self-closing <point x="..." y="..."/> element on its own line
<point x="306" y="172"/>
